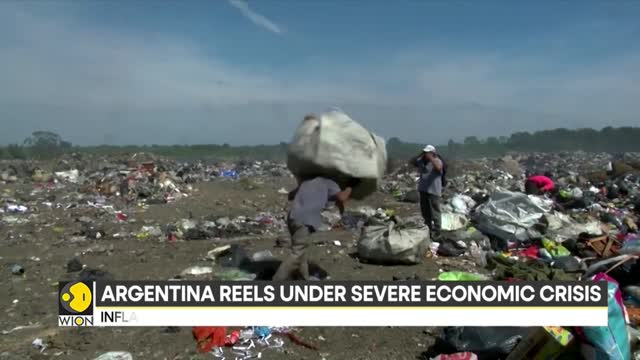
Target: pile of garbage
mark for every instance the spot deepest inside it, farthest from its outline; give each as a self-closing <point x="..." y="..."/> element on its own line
<point x="587" y="230"/>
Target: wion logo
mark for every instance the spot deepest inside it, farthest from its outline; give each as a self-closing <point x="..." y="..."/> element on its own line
<point x="75" y="304"/>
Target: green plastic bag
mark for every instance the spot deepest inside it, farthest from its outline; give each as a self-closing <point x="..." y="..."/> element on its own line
<point x="565" y="194"/>
<point x="555" y="249"/>
<point x="460" y="276"/>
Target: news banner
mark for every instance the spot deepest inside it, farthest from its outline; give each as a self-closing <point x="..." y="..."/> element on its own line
<point x="332" y="303"/>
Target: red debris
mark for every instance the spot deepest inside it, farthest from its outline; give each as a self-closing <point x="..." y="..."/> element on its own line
<point x="209" y="337"/>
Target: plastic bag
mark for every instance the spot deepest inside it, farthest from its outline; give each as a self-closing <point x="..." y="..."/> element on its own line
<point x="611" y="342"/>
<point x="460" y="276"/>
<point x="208" y="337"/>
<point x="452" y="221"/>
<point x="115" y="355"/>
<point x="462" y="203"/>
<point x="556" y="250"/>
<point x="456" y="356"/>
<point x="486" y="342"/>
<point x="390" y="244"/>
<point x="569" y="264"/>
<point x="71" y="176"/>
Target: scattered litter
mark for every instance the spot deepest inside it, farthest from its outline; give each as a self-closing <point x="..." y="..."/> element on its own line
<point x="17" y="270"/>
<point x="213" y="254"/>
<point x="115" y="355"/>
<point x="24" y="327"/>
<point x="264" y="255"/>
<point x="197" y="270"/>
<point x="39" y="344"/>
<point x="16" y="208"/>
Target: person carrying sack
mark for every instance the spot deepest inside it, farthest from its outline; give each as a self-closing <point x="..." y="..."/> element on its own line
<point x="304" y="218"/>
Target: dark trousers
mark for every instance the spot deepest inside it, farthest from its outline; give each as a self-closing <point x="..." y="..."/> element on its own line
<point x="430" y="208"/>
<point x="530" y="188"/>
<point x="297" y="260"/>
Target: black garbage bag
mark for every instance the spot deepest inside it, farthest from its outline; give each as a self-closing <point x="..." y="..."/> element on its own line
<point x="234" y="257"/>
<point x="612" y="219"/>
<point x="265" y="269"/>
<point x="570" y="264"/>
<point x="88" y="275"/>
<point x="197" y="234"/>
<point x="468" y="237"/>
<point x="74" y="265"/>
<point x="412" y="197"/>
<point x="485" y="342"/>
<point x="627" y="274"/>
<point x="448" y="247"/>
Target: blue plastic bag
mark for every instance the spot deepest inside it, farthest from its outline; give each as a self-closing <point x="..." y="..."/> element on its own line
<point x="612" y="341"/>
<point x="262" y="331"/>
<point x="229" y="174"/>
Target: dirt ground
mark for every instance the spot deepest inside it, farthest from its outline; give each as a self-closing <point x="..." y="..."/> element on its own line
<point x="43" y="248"/>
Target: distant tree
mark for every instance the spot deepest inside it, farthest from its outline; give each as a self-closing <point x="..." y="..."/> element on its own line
<point x="46" y="144"/>
<point x="520" y="141"/>
<point x="394" y="141"/>
<point x="16" y="151"/>
<point x="452" y="148"/>
<point x="471" y="140"/>
<point x="493" y="141"/>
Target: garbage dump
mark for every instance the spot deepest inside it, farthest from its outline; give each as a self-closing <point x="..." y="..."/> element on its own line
<point x="144" y="217"/>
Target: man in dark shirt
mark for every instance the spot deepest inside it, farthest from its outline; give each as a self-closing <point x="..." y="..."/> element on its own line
<point x="305" y="217"/>
<point x="430" y="187"/>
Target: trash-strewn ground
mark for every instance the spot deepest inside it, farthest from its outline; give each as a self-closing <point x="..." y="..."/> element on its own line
<point x="44" y="253"/>
<point x="139" y="219"/>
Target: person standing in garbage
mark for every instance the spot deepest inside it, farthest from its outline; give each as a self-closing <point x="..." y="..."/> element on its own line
<point x="430" y="167"/>
<point x="309" y="199"/>
<point x="539" y="184"/>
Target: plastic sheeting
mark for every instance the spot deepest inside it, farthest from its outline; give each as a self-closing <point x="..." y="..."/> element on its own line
<point x="562" y="227"/>
<point x="512" y="216"/>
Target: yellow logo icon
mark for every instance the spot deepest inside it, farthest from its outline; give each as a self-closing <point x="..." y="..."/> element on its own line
<point x="76" y="297"/>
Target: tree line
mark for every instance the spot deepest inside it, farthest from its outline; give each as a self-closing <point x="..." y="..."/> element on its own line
<point x="608" y="139"/>
<point x="47" y="144"/>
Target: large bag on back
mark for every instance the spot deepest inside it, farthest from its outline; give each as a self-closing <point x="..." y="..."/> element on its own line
<point x="336" y="146"/>
<point x="390" y="244"/>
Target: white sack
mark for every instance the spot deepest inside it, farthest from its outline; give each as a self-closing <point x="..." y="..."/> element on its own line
<point x="334" y="145"/>
<point x="391" y="245"/>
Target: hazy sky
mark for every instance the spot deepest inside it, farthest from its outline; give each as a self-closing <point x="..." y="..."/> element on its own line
<point x="246" y="72"/>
